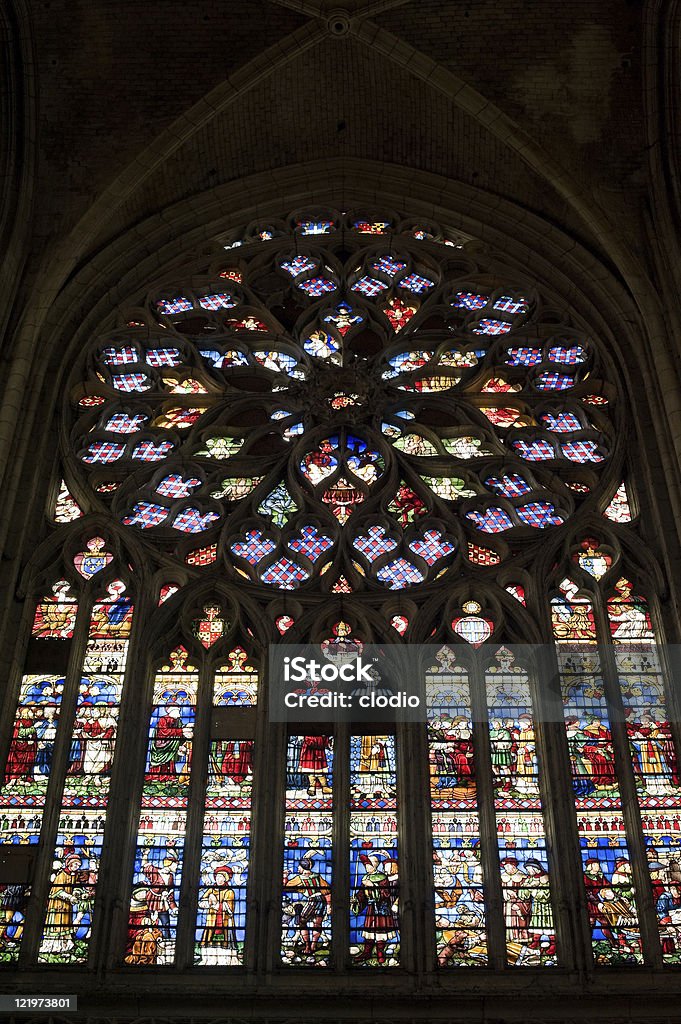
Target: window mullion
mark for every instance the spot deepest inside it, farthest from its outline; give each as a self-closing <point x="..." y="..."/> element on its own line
<point x="263" y="934"/>
<point x="489" y="858"/>
<point x="631" y="813"/>
<point x="340" y="885"/>
<point x="560" y="822"/>
<point x="415" y="846"/>
<point x="572" y="924"/>
<point x="40" y="885"/>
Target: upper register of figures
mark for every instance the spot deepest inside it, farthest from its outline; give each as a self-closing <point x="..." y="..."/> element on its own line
<point x="342" y="389"/>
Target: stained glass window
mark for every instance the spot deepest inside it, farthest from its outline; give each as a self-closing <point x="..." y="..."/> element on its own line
<point x="354" y="426"/>
<point x="457" y="869"/>
<point x="35" y="727"/>
<point x="82" y="817"/>
<point x="374" y="879"/>
<point x="159" y="852"/>
<point x="308" y="848"/>
<point x="521" y="831"/>
<point x="610" y="893"/>
<point x="225" y="844"/>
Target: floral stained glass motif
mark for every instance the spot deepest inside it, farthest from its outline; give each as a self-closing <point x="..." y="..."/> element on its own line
<point x="459" y="896"/>
<point x="308" y="836"/>
<point x="374" y="880"/>
<point x="528" y="913"/>
<point x="77" y="852"/>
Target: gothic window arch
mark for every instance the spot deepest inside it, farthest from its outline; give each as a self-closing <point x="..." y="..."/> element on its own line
<point x="340" y="428"/>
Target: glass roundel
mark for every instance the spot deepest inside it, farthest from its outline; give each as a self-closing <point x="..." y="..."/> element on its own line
<point x="376" y="404"/>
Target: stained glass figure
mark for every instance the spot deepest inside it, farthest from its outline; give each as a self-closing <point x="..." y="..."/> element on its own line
<point x="220" y="447"/>
<point x="400" y="623"/>
<point x="466" y="447"/>
<point x="308" y="838"/>
<point x="619" y="509"/>
<point x="323" y="345"/>
<point x="416" y="444"/>
<point x="343" y="318"/>
<point x="503" y="416"/>
<point x="406" y="505"/>
<point x="66" y="509"/>
<point x="55" y="614"/>
<point x="374" y="879"/>
<point x="234" y="488"/>
<point x="75" y="861"/>
<point x="225" y="845"/>
<point x="528" y="913"/>
<point x="279" y="505"/>
<point x="449" y="487"/>
<point x="159" y="851"/>
<point x="398" y="313"/>
<point x="606" y="861"/>
<point x="499" y="386"/>
<point x="179" y="417"/>
<point x="342" y="497"/>
<point x="459" y="896"/>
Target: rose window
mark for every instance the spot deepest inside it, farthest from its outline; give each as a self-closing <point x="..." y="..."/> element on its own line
<point x="379" y="410"/>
